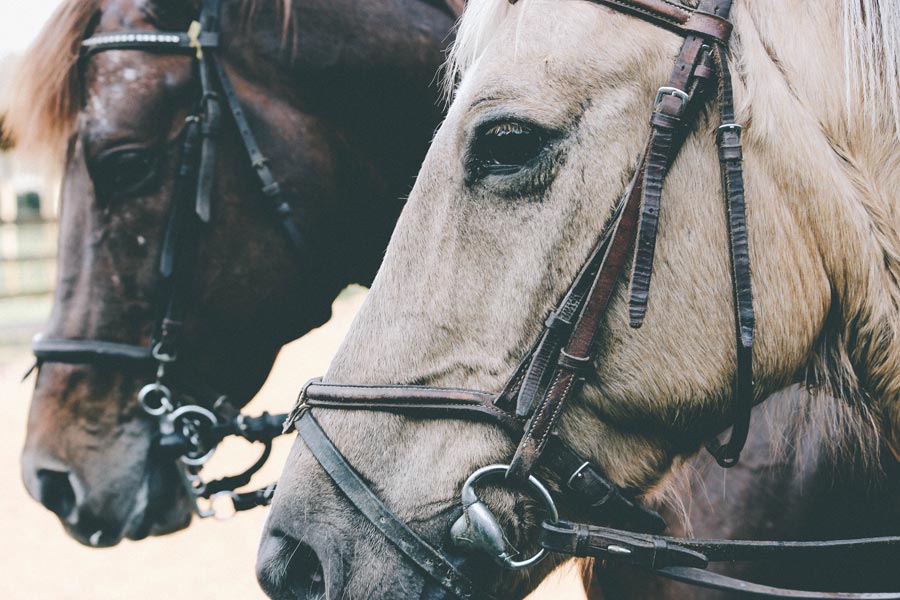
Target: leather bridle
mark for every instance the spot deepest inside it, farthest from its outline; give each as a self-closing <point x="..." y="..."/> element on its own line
<point x="190" y="431"/>
<point x="563" y="356"/>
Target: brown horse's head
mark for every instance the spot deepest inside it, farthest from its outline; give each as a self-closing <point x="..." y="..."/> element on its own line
<point x="339" y="96"/>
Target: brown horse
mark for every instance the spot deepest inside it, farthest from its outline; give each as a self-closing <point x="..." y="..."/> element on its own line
<point x="792" y="484"/>
<point x="341" y="97"/>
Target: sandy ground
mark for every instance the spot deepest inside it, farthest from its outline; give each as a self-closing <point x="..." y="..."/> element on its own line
<point x="210" y="559"/>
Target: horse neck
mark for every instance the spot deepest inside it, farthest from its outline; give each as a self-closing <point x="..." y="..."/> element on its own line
<point x="835" y="152"/>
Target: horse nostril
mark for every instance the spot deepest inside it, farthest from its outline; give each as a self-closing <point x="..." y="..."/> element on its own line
<point x="305" y="576"/>
<point x="56" y="493"/>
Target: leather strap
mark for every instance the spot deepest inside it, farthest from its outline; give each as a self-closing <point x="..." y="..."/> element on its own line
<point x="269" y="185"/>
<point x="667" y="130"/>
<point x="708" y="579"/>
<point x="593" y="493"/>
<point x="409" y="400"/>
<point x="711" y="22"/>
<point x="249" y="500"/>
<point x="539" y="363"/>
<point x="577" y="351"/>
<point x="429" y="560"/>
<point x="685" y="559"/>
<point x="730" y="160"/>
<point x="71" y="351"/>
<point x="637" y="228"/>
<point x="590" y="489"/>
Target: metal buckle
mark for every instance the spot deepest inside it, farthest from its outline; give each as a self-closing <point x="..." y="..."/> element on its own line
<point x="675" y="92"/>
<point x="738" y="129"/>
<point x="478" y="528"/>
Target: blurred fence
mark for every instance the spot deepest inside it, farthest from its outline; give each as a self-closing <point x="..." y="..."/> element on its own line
<point x="27" y="259"/>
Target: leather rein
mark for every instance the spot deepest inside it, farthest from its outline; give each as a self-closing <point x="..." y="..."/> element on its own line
<point x="529" y="406"/>
<point x="191" y="431"/>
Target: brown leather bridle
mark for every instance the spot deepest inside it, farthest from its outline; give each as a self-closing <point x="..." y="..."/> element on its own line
<point x="564" y="354"/>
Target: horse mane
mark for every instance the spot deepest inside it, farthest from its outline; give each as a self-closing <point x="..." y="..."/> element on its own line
<point x="43" y="97"/>
<point x="871" y="31"/>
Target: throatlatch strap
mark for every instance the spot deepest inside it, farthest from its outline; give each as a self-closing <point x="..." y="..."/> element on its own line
<point x="730" y="161"/>
<point x="428" y="559"/>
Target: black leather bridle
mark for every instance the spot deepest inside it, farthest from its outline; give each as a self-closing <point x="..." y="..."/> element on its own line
<point x="529" y="406"/>
<point x="193" y="418"/>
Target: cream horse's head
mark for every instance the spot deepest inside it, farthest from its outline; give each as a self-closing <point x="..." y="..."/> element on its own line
<point x="546" y="127"/>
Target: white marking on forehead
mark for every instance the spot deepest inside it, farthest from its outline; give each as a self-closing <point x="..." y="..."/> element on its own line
<point x="120" y="78"/>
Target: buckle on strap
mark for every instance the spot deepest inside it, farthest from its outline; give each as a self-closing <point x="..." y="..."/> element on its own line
<point x="580" y="365"/>
<point x="729" y="127"/>
<point x="675" y="93"/>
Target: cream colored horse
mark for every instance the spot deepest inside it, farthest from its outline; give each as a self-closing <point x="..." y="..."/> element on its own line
<point x="547" y="122"/>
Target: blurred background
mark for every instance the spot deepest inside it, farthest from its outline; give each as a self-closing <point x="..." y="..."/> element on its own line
<point x="210" y="559"/>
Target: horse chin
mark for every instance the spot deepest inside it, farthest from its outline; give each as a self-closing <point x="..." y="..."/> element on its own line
<point x="162" y="507"/>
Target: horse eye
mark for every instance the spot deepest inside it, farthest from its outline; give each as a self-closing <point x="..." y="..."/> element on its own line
<point x="505" y="148"/>
<point x="124" y="172"/>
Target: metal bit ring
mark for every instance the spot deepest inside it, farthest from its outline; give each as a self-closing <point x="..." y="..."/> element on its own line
<point x="478" y="529"/>
<point x="156" y="399"/>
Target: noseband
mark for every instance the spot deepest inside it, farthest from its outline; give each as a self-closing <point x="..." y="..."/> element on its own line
<point x="529" y="406"/>
<point x="190" y="431"/>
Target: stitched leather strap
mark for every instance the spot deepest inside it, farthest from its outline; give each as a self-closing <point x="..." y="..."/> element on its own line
<point x="591" y="491"/>
<point x="708" y="579"/>
<point x="710" y="22"/>
<point x="684" y="559"/>
<point x="667" y="133"/>
<point x="408" y="400"/>
<point x="580" y="341"/>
